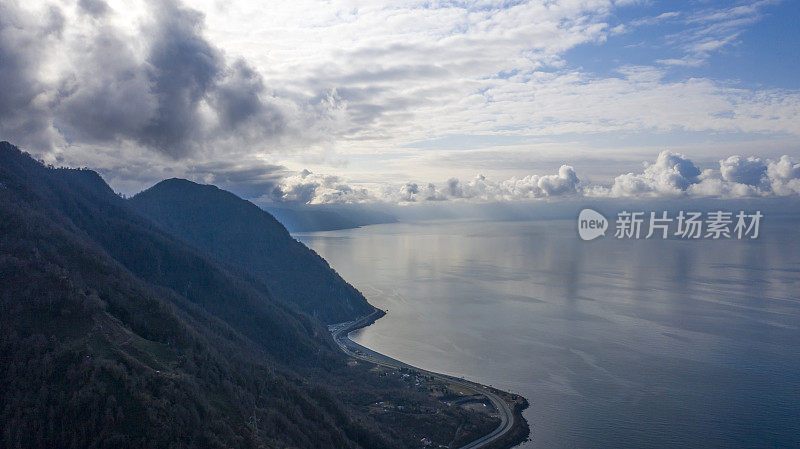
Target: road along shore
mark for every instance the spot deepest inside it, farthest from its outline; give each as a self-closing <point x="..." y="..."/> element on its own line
<point x="512" y="430"/>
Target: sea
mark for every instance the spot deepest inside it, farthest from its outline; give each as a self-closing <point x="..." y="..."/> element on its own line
<point x="616" y="343"/>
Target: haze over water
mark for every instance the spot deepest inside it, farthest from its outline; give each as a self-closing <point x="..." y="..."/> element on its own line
<point x="615" y="343"/>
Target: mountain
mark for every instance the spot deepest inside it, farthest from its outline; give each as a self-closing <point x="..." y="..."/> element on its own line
<point x="244" y="236"/>
<point x="115" y="333"/>
<point x="100" y="350"/>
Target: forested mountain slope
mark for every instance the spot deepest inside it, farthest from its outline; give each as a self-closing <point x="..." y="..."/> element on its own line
<point x="243" y="235"/>
<point x="103" y="344"/>
<point x="114" y="333"/>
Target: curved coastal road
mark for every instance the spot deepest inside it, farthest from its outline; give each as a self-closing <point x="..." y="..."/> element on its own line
<point x="340" y="333"/>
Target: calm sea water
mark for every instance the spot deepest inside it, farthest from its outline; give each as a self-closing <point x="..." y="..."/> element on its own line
<point x="616" y="344"/>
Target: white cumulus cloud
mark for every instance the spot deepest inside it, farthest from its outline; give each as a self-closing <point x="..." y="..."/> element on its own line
<point x="310" y="188"/>
<point x="784" y="176"/>
<point x="674" y="175"/>
<point x="750" y="171"/>
<point x="671" y="175"/>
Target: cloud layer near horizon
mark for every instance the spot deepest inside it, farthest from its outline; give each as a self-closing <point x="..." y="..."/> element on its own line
<point x="671" y="175"/>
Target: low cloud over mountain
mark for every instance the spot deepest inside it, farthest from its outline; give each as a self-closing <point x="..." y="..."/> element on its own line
<point x="311" y="188"/>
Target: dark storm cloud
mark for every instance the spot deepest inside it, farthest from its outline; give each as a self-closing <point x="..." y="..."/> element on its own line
<point x="98" y="106"/>
<point x="95" y="8"/>
<point x="237" y="101"/>
<point x="19" y="116"/>
<point x="178" y="97"/>
<point x="183" y="69"/>
<point x="55" y="21"/>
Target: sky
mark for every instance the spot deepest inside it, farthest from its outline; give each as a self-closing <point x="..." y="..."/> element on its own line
<point x="345" y="101"/>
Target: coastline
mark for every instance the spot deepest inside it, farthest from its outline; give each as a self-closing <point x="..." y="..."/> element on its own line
<point x="513" y="428"/>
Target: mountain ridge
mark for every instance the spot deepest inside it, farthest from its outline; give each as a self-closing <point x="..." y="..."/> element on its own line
<point x="105" y="343"/>
<point x="241" y="234"/>
<point x="95" y="356"/>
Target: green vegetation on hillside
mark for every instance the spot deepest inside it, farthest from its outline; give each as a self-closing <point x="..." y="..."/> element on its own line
<point x="115" y="333"/>
<point x="245" y="236"/>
